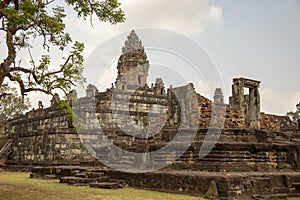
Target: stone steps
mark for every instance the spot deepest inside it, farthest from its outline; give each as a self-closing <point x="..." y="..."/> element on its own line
<point x="251" y="156"/>
<point x="277" y="192"/>
<point x="95" y="178"/>
<point x="73" y="180"/>
<point x="279" y="196"/>
<point x="79" y="176"/>
<point x="4" y="150"/>
<point x="57" y="171"/>
<point x="271" y="197"/>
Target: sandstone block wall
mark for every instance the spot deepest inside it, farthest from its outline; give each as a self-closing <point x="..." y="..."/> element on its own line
<point x="45" y="136"/>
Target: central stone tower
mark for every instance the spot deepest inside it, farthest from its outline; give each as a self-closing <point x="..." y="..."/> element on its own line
<point x="133" y="64"/>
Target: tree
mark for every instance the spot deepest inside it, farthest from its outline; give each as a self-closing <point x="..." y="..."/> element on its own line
<point x="12" y="104"/>
<point x="25" y="20"/>
<point x="295" y="115"/>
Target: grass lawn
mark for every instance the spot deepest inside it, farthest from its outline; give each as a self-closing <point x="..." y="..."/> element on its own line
<point x="19" y="186"/>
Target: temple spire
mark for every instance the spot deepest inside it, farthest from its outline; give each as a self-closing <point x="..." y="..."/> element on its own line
<point x="133" y="64"/>
<point x="132" y="43"/>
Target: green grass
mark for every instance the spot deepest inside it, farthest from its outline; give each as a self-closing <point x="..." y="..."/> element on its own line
<point x="19" y="186"/>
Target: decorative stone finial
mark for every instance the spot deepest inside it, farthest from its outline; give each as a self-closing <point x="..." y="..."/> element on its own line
<point x="40" y="105"/>
<point x="132" y="43"/>
<point x="218" y="97"/>
<point x="159" y="81"/>
<point x="91" y="91"/>
<point x="55" y="100"/>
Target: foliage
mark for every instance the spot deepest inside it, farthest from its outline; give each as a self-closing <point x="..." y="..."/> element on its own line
<point x="12" y="104"/>
<point x="65" y="105"/>
<point x="23" y="21"/>
<point x="295" y="115"/>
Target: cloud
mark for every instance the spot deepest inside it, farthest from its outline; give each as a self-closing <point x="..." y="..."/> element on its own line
<point x="279" y="101"/>
<point x="181" y="16"/>
<point x="174" y="15"/>
<point x="216" y="15"/>
<point x="207" y="88"/>
<point x="35" y="97"/>
<point x="189" y="18"/>
<point x="273" y="101"/>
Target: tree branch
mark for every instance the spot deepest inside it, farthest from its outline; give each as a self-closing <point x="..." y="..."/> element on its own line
<point x="27" y="71"/>
<point x="26" y="90"/>
<point x="62" y="68"/>
<point x="4" y="67"/>
<point x="4" y="95"/>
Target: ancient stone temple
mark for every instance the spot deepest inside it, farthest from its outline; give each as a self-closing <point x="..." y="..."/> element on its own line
<point x="256" y="155"/>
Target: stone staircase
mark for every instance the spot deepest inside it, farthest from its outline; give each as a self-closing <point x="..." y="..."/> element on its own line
<point x="269" y="188"/>
<point x="79" y="176"/>
<point x="237" y="157"/>
<point x="4" y="150"/>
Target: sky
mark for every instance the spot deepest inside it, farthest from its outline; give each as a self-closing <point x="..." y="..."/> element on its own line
<point x="253" y="39"/>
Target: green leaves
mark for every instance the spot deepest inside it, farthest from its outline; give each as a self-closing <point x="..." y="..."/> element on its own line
<point x="65" y="105"/>
<point x="295" y="115"/>
<point x="25" y="21"/>
<point x="107" y="11"/>
<point x="12" y="104"/>
<point x="22" y="16"/>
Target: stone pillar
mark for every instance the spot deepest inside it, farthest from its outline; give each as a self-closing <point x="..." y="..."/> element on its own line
<point x="55" y="100"/>
<point x="184" y="97"/>
<point x="238" y="95"/>
<point x="254" y="108"/>
<point x="159" y="87"/>
<point x="171" y="107"/>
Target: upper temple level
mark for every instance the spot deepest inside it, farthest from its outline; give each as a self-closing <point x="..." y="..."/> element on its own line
<point x="145" y="103"/>
<point x="133" y="64"/>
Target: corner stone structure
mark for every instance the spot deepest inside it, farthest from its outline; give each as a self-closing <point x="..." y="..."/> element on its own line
<point x="257" y="155"/>
<point x="249" y="104"/>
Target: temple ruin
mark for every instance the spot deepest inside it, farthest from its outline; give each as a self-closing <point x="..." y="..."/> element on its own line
<point x="257" y="155"/>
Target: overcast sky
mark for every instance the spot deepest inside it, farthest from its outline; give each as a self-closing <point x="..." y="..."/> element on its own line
<point x="254" y="39"/>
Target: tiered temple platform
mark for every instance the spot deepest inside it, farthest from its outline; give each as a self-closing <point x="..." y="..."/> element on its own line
<point x="257" y="155"/>
<point x="244" y="164"/>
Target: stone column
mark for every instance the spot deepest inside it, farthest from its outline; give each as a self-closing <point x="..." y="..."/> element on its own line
<point x="254" y="108"/>
<point x="238" y="98"/>
<point x="171" y="110"/>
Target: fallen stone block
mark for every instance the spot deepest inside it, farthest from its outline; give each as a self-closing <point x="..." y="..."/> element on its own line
<point x="105" y="185"/>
